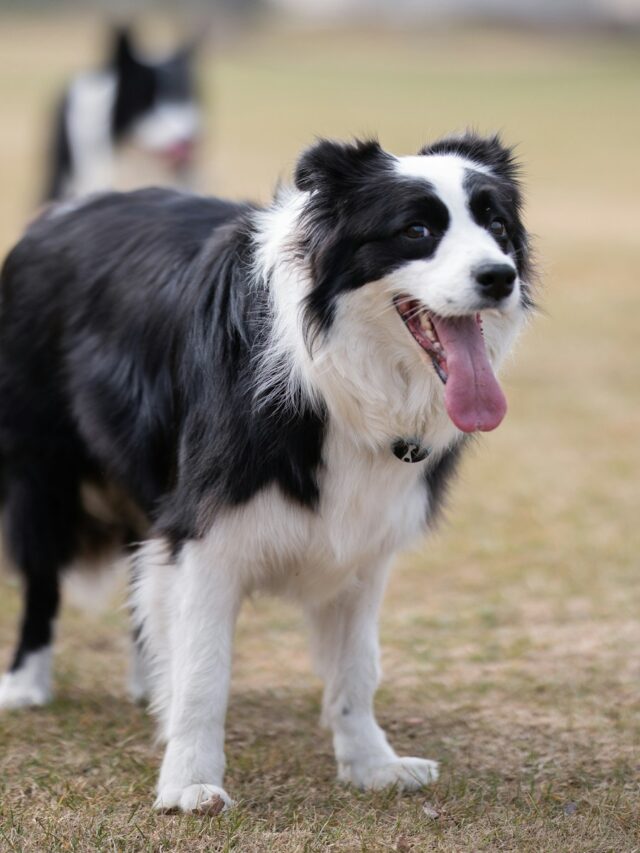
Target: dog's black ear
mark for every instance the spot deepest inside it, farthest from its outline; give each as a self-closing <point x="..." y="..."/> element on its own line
<point x="331" y="165"/>
<point x="122" y="47"/>
<point x="487" y="151"/>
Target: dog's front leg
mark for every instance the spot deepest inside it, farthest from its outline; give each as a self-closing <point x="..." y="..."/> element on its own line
<point x="345" y="645"/>
<point x="206" y="598"/>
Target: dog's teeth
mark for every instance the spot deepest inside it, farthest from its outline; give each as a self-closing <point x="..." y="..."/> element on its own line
<point x="425" y="323"/>
<point x="426" y="326"/>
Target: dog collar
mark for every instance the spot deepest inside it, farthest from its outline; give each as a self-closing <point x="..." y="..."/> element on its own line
<point x="410" y="449"/>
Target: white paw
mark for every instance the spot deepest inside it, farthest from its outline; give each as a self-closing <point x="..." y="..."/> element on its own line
<point x="407" y="774"/>
<point x="16" y="692"/>
<point x="201" y="799"/>
<point x="30" y="685"/>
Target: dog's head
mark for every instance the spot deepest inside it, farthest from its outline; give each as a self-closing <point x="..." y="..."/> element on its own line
<point x="156" y="106"/>
<point x="426" y="254"/>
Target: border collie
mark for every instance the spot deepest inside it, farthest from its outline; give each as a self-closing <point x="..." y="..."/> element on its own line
<point x="150" y="105"/>
<point x="272" y="399"/>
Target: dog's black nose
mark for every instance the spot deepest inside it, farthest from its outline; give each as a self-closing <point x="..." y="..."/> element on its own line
<point x="495" y="281"/>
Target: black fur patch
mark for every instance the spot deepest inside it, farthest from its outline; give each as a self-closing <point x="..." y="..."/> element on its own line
<point x="485" y="150"/>
<point x="490" y="197"/>
<point x="438" y="477"/>
<point x="356" y="221"/>
<point x="143" y="332"/>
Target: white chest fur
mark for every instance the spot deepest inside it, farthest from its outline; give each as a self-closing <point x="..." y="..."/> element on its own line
<point x="371" y="504"/>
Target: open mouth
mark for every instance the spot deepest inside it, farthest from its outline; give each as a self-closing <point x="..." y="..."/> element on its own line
<point x="456" y="347"/>
<point x="419" y="321"/>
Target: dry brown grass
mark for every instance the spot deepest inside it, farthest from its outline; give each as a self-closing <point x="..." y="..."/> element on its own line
<point x="511" y="640"/>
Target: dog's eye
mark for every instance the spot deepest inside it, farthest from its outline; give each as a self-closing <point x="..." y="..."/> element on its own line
<point x="417" y="231"/>
<point x="498" y="228"/>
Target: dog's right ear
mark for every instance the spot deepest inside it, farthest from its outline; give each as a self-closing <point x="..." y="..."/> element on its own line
<point x="122" y="47"/>
<point x="332" y="165"/>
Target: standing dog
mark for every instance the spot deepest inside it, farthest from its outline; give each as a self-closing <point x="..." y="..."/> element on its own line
<point x="274" y="398"/>
<point x="151" y="106"/>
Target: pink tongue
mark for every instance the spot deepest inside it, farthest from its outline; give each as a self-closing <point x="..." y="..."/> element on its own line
<point x="473" y="398"/>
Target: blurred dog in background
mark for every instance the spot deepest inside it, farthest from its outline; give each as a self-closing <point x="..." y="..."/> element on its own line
<point x="142" y="108"/>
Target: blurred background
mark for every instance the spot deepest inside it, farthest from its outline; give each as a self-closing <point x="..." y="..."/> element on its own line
<point x="511" y="638"/>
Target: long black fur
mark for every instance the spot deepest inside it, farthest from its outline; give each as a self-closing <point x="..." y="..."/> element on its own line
<point x="128" y="331"/>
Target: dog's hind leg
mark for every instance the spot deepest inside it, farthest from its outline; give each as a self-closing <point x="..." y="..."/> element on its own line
<point x="40" y="513"/>
<point x="344" y="634"/>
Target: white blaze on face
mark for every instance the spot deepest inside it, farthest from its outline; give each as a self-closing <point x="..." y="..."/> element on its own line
<point x="445" y="282"/>
<point x="166" y="126"/>
<point x="446" y="285"/>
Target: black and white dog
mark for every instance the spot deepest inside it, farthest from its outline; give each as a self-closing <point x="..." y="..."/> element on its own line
<point x="151" y="106"/>
<point x="273" y="399"/>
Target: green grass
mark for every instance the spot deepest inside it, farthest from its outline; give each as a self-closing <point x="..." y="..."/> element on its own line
<point x="510" y="640"/>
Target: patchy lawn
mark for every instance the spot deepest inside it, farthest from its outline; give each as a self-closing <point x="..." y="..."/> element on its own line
<point x="511" y="639"/>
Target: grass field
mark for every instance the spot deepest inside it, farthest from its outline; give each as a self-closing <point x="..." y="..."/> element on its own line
<point x="511" y="639"/>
